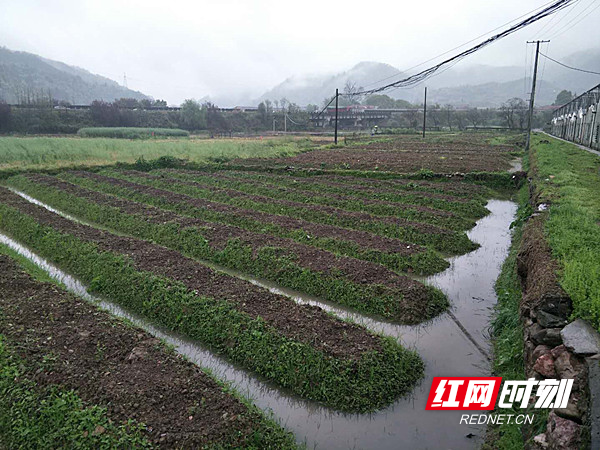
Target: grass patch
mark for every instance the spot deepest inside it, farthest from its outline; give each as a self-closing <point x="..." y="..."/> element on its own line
<point x="567" y="177"/>
<point x="50" y="153"/>
<point x="131" y="132"/>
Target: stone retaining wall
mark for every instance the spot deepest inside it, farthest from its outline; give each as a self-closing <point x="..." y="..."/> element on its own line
<point x="555" y="348"/>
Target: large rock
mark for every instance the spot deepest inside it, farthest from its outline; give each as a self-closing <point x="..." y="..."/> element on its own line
<point x="548" y="336"/>
<point x="548" y="320"/>
<point x="562" y="433"/>
<point x="581" y="338"/>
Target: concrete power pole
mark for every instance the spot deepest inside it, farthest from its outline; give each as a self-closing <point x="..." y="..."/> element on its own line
<point x="336" y="116"/>
<point x="424" y="112"/>
<point x="532" y="99"/>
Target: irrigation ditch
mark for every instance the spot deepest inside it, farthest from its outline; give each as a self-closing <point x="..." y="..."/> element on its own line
<point x="453" y="344"/>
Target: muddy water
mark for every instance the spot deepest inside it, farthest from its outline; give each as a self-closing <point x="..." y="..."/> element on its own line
<point x="452" y="345"/>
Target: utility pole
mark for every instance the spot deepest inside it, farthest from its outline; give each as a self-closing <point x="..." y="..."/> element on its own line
<point x="273" y="125"/>
<point x="284" y="122"/>
<point x="532" y="99"/>
<point x="424" y="112"/>
<point x="336" y="115"/>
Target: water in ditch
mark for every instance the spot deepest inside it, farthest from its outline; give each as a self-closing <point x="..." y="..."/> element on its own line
<point x="454" y="344"/>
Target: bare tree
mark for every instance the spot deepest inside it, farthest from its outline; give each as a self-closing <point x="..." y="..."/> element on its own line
<point x="351" y="92"/>
<point x="514" y="112"/>
<point x="474" y="116"/>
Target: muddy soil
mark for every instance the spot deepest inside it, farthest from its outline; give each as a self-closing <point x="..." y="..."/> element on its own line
<point x="278" y="189"/>
<point x="331" y="211"/>
<point x="400" y="156"/>
<point x="361" y="238"/>
<point x="307" y="324"/>
<point x="115" y="365"/>
<point x="414" y="296"/>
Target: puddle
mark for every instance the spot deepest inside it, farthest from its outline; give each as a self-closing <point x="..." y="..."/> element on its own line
<point x="454" y="344"/>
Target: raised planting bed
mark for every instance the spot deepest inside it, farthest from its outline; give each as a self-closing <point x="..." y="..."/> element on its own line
<point x="102" y="383"/>
<point x="393" y="253"/>
<point x="399" y="155"/>
<point x="367" y="287"/>
<point x="437" y="238"/>
<point x="397" y="191"/>
<point x="299" y="347"/>
<point x="413" y="212"/>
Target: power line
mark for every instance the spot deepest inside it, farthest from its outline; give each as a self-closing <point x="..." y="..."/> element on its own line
<point x="569" y="67"/>
<point x="421" y="76"/>
<point x="462" y="45"/>
<point x="564" y="29"/>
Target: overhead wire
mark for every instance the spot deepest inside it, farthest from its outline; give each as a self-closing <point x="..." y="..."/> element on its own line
<point x="569" y="67"/>
<point x="563" y="29"/>
<point x="421" y="76"/>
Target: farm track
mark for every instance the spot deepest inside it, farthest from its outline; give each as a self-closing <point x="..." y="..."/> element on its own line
<point x="438" y="217"/>
<point x="123" y="368"/>
<point x="393" y="253"/>
<point x="326" y="345"/>
<point x="368" y="287"/>
<point x="435" y="237"/>
<point x="399" y="156"/>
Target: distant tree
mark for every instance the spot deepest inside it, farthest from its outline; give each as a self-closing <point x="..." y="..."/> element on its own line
<point x="126" y="103"/>
<point x="474" y="116"/>
<point x="351" y="93"/>
<point x="514" y="113"/>
<point x="563" y="97"/>
<point x="160" y="103"/>
<point x="380" y="101"/>
<point x="311" y="108"/>
<point x="105" y="114"/>
<point x="193" y="116"/>
<point x="4" y="115"/>
<point x="145" y="103"/>
<point x="449" y="110"/>
<point x="262" y="112"/>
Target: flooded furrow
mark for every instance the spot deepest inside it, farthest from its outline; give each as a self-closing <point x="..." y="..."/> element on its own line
<point x="455" y="344"/>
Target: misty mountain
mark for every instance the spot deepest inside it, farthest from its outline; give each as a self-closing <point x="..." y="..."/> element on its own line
<point x="476" y="85"/>
<point x="23" y="74"/>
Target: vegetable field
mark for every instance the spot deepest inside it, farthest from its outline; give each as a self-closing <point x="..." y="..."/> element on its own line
<point x="190" y="248"/>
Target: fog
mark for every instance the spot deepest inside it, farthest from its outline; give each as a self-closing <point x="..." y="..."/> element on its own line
<point x="235" y="50"/>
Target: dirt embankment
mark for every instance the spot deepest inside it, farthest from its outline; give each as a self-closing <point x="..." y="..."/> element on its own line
<point x="116" y="365"/>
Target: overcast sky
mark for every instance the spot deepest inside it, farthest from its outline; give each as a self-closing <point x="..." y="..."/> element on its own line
<point x="181" y="49"/>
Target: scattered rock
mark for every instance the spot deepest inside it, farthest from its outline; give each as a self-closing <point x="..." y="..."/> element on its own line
<point x="560" y="306"/>
<point x="539" y="351"/>
<point x="548" y="320"/>
<point x="137" y="354"/>
<point x="581" y="338"/>
<point x="571" y="412"/>
<point x="548" y="336"/>
<point x="98" y="430"/>
<point x="568" y="366"/>
<point x="556" y="351"/>
<point x="562" y="433"/>
<point x="544" y="365"/>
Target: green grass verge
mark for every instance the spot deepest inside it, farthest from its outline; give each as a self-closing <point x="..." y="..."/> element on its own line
<point x="426" y="262"/>
<point x="131" y="132"/>
<point x="32" y="417"/>
<point x="267" y="262"/>
<point x="447" y="241"/>
<point x="376" y="379"/>
<point x="568" y="178"/>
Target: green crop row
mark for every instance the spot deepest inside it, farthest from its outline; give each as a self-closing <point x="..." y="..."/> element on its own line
<point x="270" y="262"/>
<point x="131" y="132"/>
<point x="401" y="210"/>
<point x="445" y="241"/>
<point x="32" y="417"/>
<point x="425" y="262"/>
<point x="474" y="208"/>
<point x="375" y="379"/>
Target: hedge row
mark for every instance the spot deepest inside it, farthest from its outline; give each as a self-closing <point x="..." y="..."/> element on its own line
<point x="131" y="132"/>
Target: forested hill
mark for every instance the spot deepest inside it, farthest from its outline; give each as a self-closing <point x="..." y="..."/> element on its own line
<point x="25" y="76"/>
